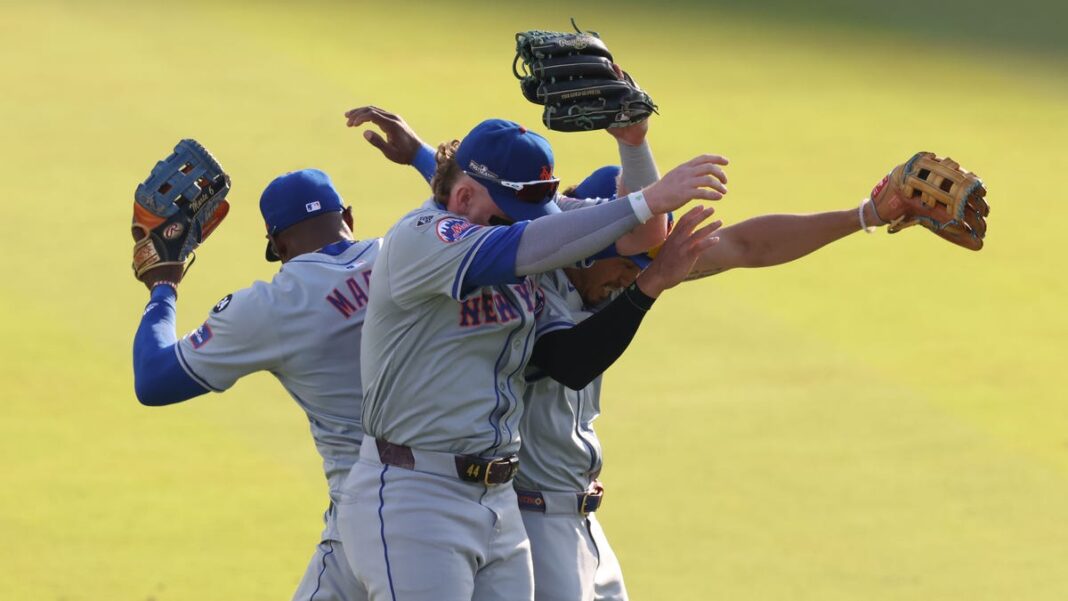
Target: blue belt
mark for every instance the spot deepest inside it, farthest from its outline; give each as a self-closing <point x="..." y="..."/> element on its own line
<point x="568" y="503"/>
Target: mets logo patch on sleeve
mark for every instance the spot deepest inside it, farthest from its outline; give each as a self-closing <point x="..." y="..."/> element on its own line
<point x="201" y="336"/>
<point x="451" y="229"/>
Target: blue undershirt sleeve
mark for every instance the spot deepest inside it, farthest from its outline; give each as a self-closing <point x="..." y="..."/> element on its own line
<point x="158" y="377"/>
<point x="494" y="261"/>
<point x="425" y="163"/>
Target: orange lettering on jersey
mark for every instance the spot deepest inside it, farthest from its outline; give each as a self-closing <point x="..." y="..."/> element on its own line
<point x="471" y="312"/>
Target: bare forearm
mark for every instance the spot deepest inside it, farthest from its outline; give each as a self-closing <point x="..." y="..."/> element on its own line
<point x="775" y="239"/>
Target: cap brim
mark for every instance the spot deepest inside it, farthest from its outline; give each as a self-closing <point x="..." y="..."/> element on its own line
<point x="270" y="254"/>
<point x="642" y="260"/>
<point x="516" y="209"/>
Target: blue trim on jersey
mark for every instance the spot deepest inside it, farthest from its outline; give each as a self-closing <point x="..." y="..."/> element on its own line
<point x="424" y="162"/>
<point x="349" y="262"/>
<point x="190" y="371"/>
<point x="382" y="531"/>
<point x="159" y="378"/>
<point x="336" y="248"/>
<point x="522" y="365"/>
<point x="493" y="262"/>
<point x="497" y="386"/>
<point x="458" y="289"/>
<point x="319" y="580"/>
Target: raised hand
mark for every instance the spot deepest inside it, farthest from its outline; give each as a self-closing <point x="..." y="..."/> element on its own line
<point x="400" y="143"/>
<point x="699" y="178"/>
<point x="680" y="251"/>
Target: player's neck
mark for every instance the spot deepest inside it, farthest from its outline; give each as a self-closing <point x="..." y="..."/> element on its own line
<point x="311" y="237"/>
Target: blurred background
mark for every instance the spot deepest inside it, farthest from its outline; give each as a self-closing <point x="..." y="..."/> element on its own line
<point x="884" y="419"/>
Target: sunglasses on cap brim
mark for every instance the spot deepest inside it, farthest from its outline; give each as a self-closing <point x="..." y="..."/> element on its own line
<point x="537" y="191"/>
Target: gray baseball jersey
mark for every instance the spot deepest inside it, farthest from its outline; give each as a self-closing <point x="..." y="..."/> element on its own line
<point x="563" y="453"/>
<point x="571" y="556"/>
<point x="304" y="327"/>
<point x="446" y="373"/>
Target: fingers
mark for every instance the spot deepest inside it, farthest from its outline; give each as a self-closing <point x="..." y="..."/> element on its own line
<point x="376" y="140"/>
<point x="713" y="159"/>
<point x="363" y="114"/>
<point x="704" y="244"/>
<point x="709" y="229"/>
<point x="705" y="194"/>
<point x="710" y="181"/>
<point x="686" y="224"/>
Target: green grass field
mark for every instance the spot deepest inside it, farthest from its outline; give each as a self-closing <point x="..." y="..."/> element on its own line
<point x="883" y="420"/>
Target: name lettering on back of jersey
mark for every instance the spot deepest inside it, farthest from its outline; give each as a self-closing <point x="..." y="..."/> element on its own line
<point x="452" y="229"/>
<point x="352" y="296"/>
<point x="201" y="336"/>
<point x="493" y="307"/>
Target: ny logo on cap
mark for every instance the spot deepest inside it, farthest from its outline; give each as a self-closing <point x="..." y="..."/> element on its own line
<point x="312" y="206"/>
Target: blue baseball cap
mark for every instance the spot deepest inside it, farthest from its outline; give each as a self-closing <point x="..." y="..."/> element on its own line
<point x="600" y="184"/>
<point x="295" y="197"/>
<point x="498" y="153"/>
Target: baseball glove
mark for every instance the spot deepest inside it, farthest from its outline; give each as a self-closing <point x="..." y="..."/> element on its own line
<point x="573" y="76"/>
<point x="936" y="193"/>
<point x="177" y="207"/>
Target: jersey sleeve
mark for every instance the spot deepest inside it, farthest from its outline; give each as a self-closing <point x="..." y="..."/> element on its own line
<point x="237" y="339"/>
<point x="555" y="313"/>
<point x="567" y="203"/>
<point x="431" y="253"/>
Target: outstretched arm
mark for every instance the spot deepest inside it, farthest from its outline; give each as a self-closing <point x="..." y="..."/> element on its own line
<point x="576" y="356"/>
<point x="776" y="239"/>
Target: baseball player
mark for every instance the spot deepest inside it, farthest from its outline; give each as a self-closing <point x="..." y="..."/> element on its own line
<point x="557" y="484"/>
<point x="560" y="459"/>
<point x="451" y="321"/>
<point x="303" y="326"/>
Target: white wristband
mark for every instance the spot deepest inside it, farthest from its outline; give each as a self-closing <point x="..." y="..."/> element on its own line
<point x="868" y="229"/>
<point x="640" y="206"/>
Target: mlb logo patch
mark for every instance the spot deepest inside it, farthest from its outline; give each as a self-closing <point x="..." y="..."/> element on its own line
<point x="311" y="207"/>
<point x="451" y="229"/>
<point x="200" y="336"/>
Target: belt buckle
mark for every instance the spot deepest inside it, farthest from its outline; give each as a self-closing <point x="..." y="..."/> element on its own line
<point x="594" y="494"/>
<point x="507" y="461"/>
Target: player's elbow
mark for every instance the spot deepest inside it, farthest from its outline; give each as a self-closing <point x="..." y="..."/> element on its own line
<point x="163" y="383"/>
<point x="151" y="393"/>
<point x="146" y="394"/>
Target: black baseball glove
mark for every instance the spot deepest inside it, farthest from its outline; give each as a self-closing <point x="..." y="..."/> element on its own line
<point x="573" y="76"/>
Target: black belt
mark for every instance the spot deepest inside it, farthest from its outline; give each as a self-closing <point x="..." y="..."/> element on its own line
<point x="467" y="467"/>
